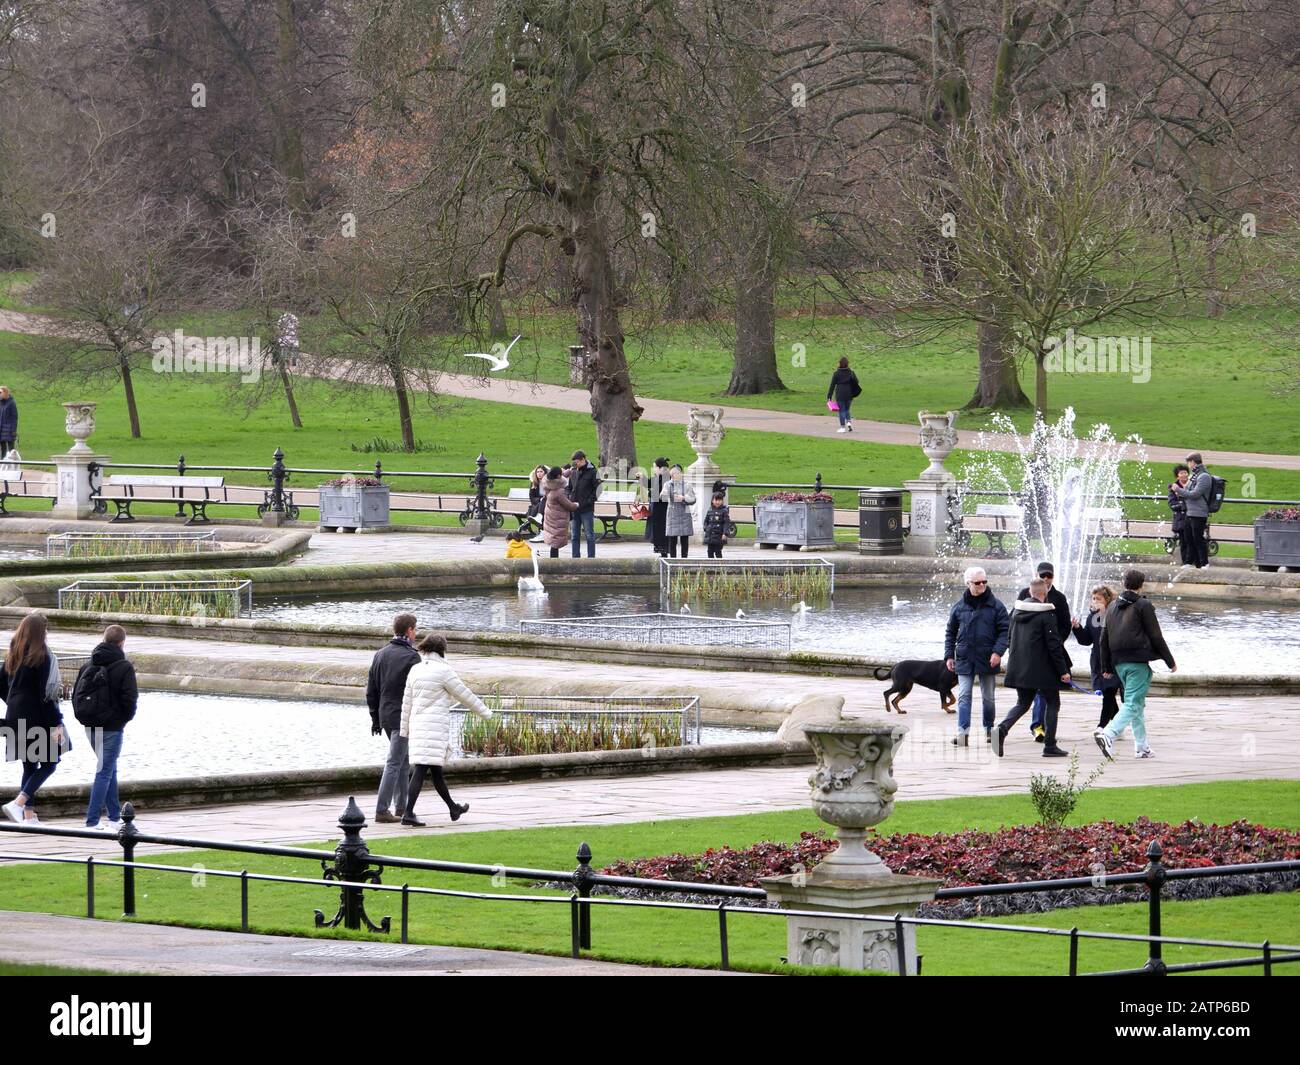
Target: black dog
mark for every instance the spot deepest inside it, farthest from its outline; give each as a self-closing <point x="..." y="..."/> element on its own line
<point x="933" y="675"/>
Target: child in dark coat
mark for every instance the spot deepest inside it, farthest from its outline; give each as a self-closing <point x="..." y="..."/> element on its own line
<point x="716" y="520"/>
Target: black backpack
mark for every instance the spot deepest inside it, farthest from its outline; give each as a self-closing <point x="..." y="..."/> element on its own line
<point x="1218" y="489"/>
<point x="92" y="697"/>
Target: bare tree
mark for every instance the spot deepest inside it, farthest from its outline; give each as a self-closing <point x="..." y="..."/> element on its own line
<point x="111" y="274"/>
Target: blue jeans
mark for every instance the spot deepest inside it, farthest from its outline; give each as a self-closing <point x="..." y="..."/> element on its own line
<point x="965" y="688"/>
<point x="397" y="770"/>
<point x="1036" y="718"/>
<point x="34" y="775"/>
<point x="583" y="519"/>
<point x="103" y="790"/>
<point x="844" y="405"/>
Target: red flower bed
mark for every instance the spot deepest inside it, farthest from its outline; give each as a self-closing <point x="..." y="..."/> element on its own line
<point x="796" y="497"/>
<point x="1029" y="852"/>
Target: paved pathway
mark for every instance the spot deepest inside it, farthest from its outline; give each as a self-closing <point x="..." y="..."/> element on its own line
<point x="128" y="947"/>
<point x="673" y="412"/>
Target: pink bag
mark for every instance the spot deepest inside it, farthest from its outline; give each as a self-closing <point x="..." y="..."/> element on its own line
<point x="832" y="406"/>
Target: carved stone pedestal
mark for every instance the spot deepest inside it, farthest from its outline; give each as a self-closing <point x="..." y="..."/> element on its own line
<point x="849" y="944"/>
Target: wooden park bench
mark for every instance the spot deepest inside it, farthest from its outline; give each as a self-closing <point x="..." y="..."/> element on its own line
<point x="609" y="519"/>
<point x="123" y="489"/>
<point x="1006" y="522"/>
<point x="25" y="484"/>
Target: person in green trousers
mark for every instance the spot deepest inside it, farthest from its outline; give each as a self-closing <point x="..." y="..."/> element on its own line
<point x="1130" y="641"/>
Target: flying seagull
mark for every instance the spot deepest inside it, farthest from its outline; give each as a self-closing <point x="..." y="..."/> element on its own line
<point x="499" y="362"/>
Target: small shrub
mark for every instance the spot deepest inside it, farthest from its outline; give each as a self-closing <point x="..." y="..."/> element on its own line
<point x="1055" y="799"/>
<point x="381" y="445"/>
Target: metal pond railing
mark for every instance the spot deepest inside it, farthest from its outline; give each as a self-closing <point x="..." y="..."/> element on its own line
<point x="660" y="628"/>
<point x="745" y="578"/>
<point x="216" y="598"/>
<point x="352" y="870"/>
<point x="542" y="723"/>
<point x="98" y="545"/>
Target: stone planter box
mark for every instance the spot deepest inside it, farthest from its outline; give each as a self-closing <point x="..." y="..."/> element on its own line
<point x="353" y="507"/>
<point x="794" y="524"/>
<point x="1277" y="543"/>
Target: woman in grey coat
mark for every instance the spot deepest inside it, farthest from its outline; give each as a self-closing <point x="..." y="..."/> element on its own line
<point x="679" y="523"/>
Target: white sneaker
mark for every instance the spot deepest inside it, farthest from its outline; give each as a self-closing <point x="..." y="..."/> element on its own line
<point x="1104" y="742"/>
<point x="31" y="819"/>
<point x="13" y="811"/>
<point x="1144" y="752"/>
<point x="849" y="426"/>
<point x="841" y="429"/>
<point x="537" y="539"/>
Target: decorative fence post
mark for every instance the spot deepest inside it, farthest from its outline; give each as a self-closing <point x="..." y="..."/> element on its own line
<point x="352" y="864"/>
<point x="582" y="881"/>
<point x="126" y="837"/>
<point x="478" y="515"/>
<point x="1156" y="876"/>
<point x="277" y="504"/>
<point x="180" y="472"/>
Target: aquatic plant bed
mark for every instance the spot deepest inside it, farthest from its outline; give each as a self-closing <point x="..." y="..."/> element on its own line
<point x="686" y="629"/>
<point x="745" y="579"/>
<point x="111" y="545"/>
<point x="1027" y="852"/>
<point x="529" y="724"/>
<point x="179" y="598"/>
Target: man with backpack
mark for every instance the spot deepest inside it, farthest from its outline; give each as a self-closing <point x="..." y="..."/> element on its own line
<point x="104" y="699"/>
<point x="1202" y="497"/>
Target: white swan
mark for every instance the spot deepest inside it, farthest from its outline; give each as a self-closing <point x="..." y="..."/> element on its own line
<point x="685" y="609"/>
<point x="801" y="608"/>
<point x="740" y="615"/>
<point x="895" y="602"/>
<point x="533" y="583"/>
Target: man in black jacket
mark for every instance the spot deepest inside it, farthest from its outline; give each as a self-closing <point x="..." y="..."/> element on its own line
<point x="1061" y="605"/>
<point x="1130" y="640"/>
<point x="1038" y="666"/>
<point x="384" y="689"/>
<point x="583" y="487"/>
<point x="107" y="705"/>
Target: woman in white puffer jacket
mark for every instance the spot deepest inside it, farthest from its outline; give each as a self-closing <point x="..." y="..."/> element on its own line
<point x="432" y="689"/>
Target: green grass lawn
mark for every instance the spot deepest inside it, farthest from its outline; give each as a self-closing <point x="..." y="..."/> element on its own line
<point x="201" y="417"/>
<point x="9" y="969"/>
<point x="688" y="938"/>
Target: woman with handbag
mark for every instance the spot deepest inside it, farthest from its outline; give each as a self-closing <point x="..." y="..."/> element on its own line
<point x="679" y="523"/>
<point x="844" y="389"/>
<point x="34" y="732"/>
<point x="654" y="526"/>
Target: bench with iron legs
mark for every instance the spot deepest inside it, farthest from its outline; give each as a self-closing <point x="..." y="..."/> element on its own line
<point x="528" y="523"/>
<point x="123" y="489"/>
<point x="26" y="484"/>
<point x="609" y="520"/>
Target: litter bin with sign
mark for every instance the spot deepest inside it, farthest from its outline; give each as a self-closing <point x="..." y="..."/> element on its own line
<point x="880" y="521"/>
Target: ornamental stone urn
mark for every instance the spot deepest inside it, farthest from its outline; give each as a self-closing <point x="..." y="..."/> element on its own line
<point x="704" y="432"/>
<point x="853" y="789"/>
<point x="79" y="424"/>
<point x="938" y="438"/>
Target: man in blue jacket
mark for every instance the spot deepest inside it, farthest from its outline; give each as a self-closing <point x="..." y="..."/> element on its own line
<point x="976" y="640"/>
<point x="8" y="421"/>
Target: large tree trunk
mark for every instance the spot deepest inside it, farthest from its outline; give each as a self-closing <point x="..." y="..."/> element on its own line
<point x="998" y="387"/>
<point x="753" y="363"/>
<point x="404" y="408"/>
<point x="288" y="395"/>
<point x="288" y="131"/>
<point x="497" y="328"/>
<point x="132" y="410"/>
<point x="614" y="408"/>
<point x="1040" y="385"/>
<point x="1213" y="296"/>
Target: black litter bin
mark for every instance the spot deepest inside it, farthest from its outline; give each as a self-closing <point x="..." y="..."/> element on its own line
<point x="880" y="521"/>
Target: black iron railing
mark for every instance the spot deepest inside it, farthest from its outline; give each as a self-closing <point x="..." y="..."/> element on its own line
<point x="353" y="870"/>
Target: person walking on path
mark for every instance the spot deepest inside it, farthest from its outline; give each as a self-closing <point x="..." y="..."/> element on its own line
<point x="659" y="477"/>
<point x="104" y="698"/>
<point x="384" y="691"/>
<point x="557" y="511"/>
<point x="583" y="488"/>
<point x="1130" y="640"/>
<point x="1061" y="606"/>
<point x="973" y="646"/>
<point x="1196" y="496"/>
<point x="1089" y="635"/>
<point x="844" y="389"/>
<point x="8" y="421"/>
<point x="716" y="520"/>
<point x="1039" y="665"/>
<point x="33" y="726"/>
<point x="432" y="689"/>
<point x="679" y="525"/>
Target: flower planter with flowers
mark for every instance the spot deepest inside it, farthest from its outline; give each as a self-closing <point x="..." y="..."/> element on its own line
<point x="353" y="503"/>
<point x="1277" y="539"/>
<point x="796" y="519"/>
